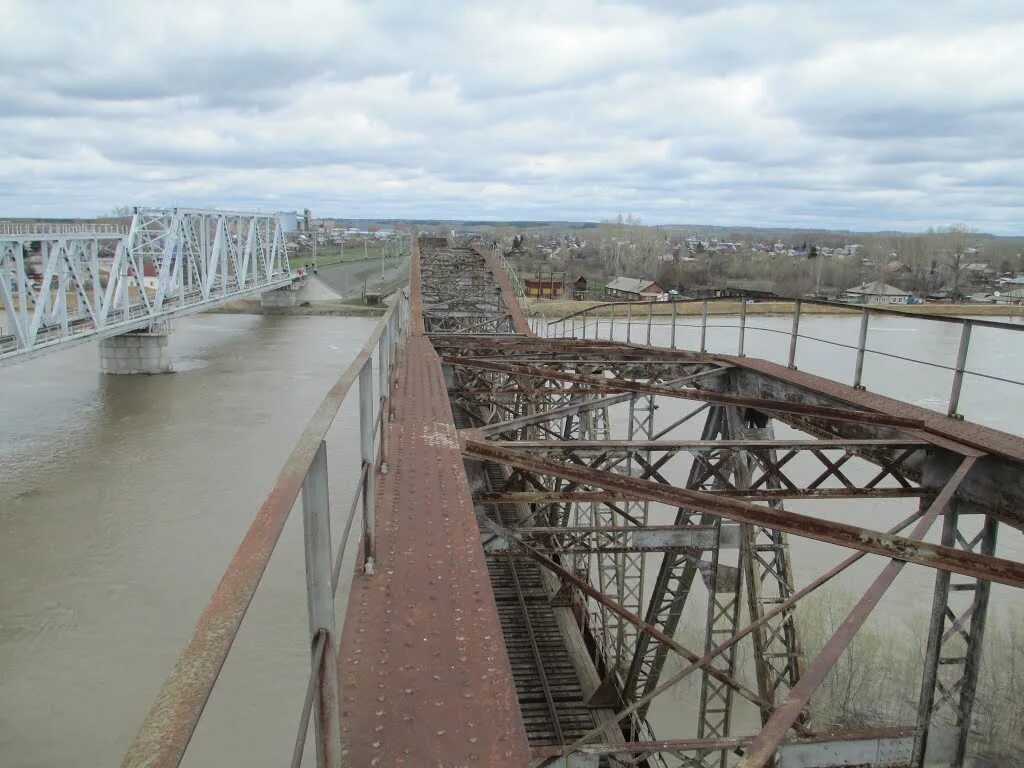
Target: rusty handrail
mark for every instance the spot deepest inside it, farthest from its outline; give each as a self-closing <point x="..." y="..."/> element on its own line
<point x="165" y="734"/>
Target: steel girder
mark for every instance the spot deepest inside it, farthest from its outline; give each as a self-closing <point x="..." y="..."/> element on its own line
<point x="534" y="399"/>
<point x="168" y="263"/>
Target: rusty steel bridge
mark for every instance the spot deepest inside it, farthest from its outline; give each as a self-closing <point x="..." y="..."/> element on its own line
<point x="539" y="524"/>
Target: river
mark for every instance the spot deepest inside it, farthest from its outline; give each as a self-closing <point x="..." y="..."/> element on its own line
<point x="123" y="498"/>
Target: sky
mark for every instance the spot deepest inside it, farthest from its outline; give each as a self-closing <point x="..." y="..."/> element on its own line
<point x="862" y="115"/>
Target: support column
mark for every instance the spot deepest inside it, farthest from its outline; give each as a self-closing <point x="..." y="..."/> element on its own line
<point x="137" y="352"/>
<point x="280" y="298"/>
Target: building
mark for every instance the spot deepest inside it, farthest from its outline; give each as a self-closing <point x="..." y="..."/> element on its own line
<point x="633" y="289"/>
<point x="875" y="292"/>
<point x="579" y="288"/>
<point x="545" y="285"/>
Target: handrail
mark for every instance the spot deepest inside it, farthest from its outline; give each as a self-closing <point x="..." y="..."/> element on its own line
<point x="959" y="368"/>
<point x="170" y="723"/>
<point x="851" y="308"/>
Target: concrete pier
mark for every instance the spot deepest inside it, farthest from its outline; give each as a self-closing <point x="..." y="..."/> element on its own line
<point x="138" y="352"/>
<point x="282" y="298"/>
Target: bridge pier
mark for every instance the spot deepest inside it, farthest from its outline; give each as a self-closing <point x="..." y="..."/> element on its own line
<point x="281" y="298"/>
<point x="136" y="352"/>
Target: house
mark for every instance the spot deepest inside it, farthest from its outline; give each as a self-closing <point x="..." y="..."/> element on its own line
<point x="579" y="288"/>
<point x="875" y="292"/>
<point x="633" y="289"/>
<point x="546" y="285"/>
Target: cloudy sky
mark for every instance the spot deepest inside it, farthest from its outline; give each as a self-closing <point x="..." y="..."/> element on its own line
<point x="863" y="115"/>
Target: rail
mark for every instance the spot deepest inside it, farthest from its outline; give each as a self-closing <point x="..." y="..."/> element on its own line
<point x="165" y="734"/>
<point x="958" y="367"/>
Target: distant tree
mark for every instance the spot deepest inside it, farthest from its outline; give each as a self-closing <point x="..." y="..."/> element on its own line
<point x="954" y="240"/>
<point x="122" y="211"/>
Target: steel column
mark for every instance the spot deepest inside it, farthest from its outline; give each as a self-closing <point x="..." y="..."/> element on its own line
<point x="861" y="345"/>
<point x="743" y="325"/>
<point x="675" y="309"/>
<point x="366" y="430"/>
<point x="650" y="320"/>
<point x="316" y="519"/>
<point x="794" y="333"/>
<point x="961" y="363"/>
<point x="704" y="327"/>
<point x="957" y="626"/>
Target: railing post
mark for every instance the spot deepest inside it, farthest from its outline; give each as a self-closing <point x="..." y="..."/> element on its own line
<point x="861" y="345"/>
<point x="794" y="333"/>
<point x="574" y="326"/>
<point x="629" y="321"/>
<point x="704" y="327"/>
<point x="366" y="450"/>
<point x="743" y="324"/>
<point x="611" y="327"/>
<point x="958" y="376"/>
<point x="584" y="324"/>
<point x="650" y="319"/>
<point x="675" y="309"/>
<point x="316" y="520"/>
<point x="383" y="388"/>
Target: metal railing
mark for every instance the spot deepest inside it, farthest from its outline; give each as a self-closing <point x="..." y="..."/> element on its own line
<point x="592" y="317"/>
<point x="513" y="276"/>
<point x="168" y="728"/>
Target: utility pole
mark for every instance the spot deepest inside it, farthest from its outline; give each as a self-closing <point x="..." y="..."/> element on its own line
<point x="314" y="246"/>
<point x="383" y="250"/>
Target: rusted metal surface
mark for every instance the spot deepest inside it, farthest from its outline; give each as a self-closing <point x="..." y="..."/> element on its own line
<point x="983" y="438"/>
<point x="168" y="728"/>
<point x="424" y="673"/>
<point x="691" y="745"/>
<point x="841" y="534"/>
<point x="602" y="384"/>
<point x="761" y="752"/>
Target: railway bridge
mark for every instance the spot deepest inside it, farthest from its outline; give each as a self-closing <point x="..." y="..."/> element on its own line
<point x="546" y="521"/>
<point x="121" y="286"/>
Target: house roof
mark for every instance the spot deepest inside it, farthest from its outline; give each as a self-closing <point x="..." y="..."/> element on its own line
<point x="876" y="288"/>
<point x="630" y="284"/>
<point x="544" y="277"/>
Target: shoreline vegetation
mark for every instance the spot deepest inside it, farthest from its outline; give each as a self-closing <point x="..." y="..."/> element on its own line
<point x="558" y="308"/>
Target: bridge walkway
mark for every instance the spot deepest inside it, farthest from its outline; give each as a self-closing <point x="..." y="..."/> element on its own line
<point x="424" y="672"/>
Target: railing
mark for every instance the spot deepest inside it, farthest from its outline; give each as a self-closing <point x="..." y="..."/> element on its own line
<point x="592" y="317"/>
<point x="50" y="229"/>
<point x="171" y="721"/>
<point x="513" y="276"/>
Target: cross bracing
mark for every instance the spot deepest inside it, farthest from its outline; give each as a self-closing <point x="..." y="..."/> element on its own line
<point x="61" y="286"/>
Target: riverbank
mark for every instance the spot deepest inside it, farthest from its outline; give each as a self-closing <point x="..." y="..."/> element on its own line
<point x="560" y="308"/>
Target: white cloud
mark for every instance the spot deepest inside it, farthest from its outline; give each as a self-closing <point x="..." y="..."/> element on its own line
<point x="867" y="115"/>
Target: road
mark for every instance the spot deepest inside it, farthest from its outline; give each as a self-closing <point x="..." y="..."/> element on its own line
<point x="349" y="278"/>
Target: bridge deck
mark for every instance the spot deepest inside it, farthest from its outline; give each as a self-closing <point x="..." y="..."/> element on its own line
<point x="424" y="673"/>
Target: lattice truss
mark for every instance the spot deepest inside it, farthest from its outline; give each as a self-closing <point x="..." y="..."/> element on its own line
<point x="574" y="423"/>
<point x="459" y="294"/>
<point x="64" y="284"/>
<point x="578" y="444"/>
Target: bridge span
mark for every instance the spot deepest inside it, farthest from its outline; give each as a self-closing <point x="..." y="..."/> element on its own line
<point x="101" y="281"/>
<point x="537" y="527"/>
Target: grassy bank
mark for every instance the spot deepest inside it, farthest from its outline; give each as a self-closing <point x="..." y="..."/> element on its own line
<point x="560" y="308"/>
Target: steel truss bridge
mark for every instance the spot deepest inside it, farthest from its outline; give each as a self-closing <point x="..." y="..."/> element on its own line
<point x="539" y="521"/>
<point x="99" y="281"/>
